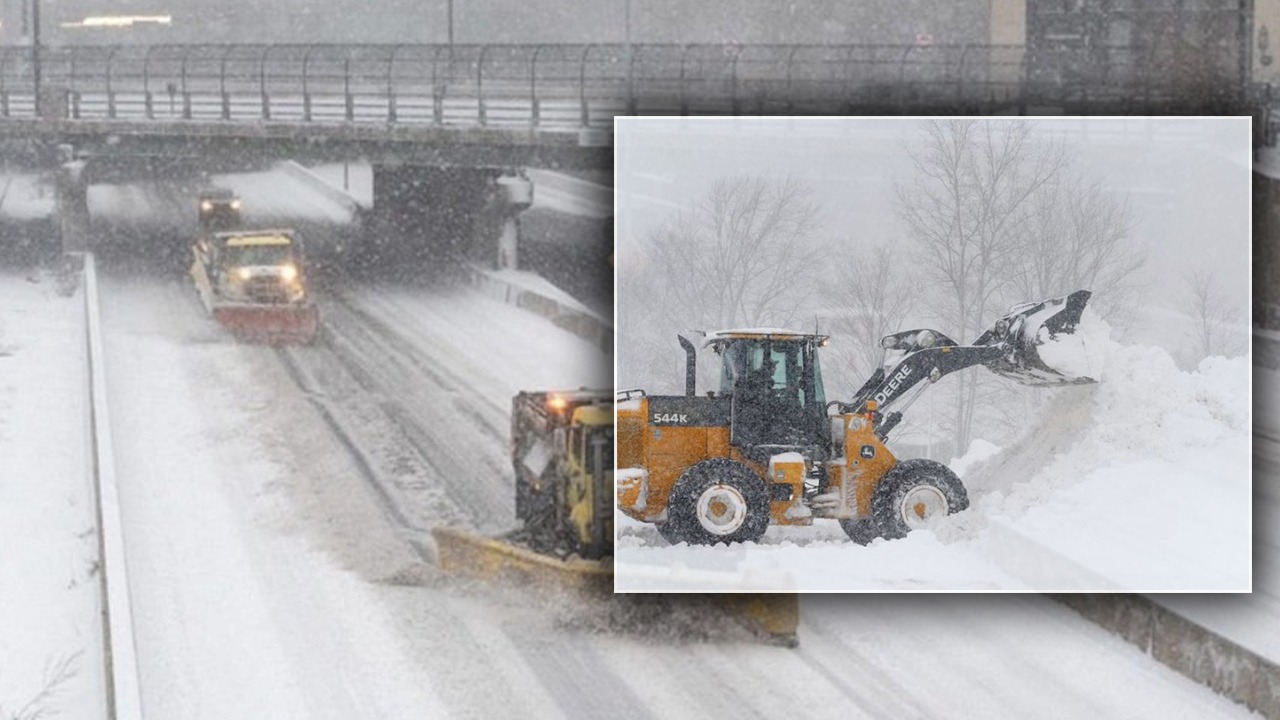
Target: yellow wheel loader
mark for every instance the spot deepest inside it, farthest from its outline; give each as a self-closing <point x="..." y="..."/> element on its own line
<point x="767" y="447"/>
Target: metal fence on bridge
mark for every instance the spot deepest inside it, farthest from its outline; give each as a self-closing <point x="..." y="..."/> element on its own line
<point x="549" y="86"/>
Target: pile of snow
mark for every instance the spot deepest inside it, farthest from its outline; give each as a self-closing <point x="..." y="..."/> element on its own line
<point x="979" y="451"/>
<point x="1084" y="353"/>
<point x="1143" y="477"/>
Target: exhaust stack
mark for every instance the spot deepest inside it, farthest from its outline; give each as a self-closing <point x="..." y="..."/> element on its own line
<point x="690" y="366"/>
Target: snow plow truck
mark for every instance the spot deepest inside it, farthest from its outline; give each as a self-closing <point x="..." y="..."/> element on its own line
<point x="562" y="454"/>
<point x="254" y="282"/>
<point x="767" y="447"/>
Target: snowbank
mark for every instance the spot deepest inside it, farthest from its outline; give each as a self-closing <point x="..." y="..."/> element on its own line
<point x="979" y="451"/>
<point x="1143" y="477"/>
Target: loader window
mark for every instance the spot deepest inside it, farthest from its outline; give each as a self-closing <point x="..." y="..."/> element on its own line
<point x="786" y="370"/>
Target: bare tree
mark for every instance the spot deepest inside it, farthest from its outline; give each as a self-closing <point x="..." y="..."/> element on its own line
<point x="1217" y="328"/>
<point x="1079" y="236"/>
<point x="57" y="673"/>
<point x="742" y="256"/>
<point x="973" y="183"/>
<point x="872" y="295"/>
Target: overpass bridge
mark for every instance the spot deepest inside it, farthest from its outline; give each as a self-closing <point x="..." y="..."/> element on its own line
<point x="548" y="106"/>
<point x="444" y="121"/>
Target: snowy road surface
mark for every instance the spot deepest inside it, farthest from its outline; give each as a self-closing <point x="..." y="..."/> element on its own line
<point x="268" y="582"/>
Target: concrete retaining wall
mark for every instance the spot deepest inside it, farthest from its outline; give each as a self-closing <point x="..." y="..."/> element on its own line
<point x="1188" y="648"/>
<point x="563" y="312"/>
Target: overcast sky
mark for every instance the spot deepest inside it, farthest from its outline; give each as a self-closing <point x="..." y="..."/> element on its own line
<point x="1188" y="180"/>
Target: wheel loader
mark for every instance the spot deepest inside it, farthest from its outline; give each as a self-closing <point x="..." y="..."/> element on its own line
<point x="767" y="447"/>
<point x="562" y="455"/>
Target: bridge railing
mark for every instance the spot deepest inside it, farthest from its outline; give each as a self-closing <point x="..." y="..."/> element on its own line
<point x="556" y="85"/>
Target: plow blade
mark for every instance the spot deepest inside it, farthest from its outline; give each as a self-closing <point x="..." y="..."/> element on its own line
<point x="492" y="559"/>
<point x="273" y="324"/>
<point x="1026" y="330"/>
<point x="772" y="619"/>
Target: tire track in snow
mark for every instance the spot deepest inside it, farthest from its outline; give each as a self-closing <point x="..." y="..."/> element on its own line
<point x="578" y="679"/>
<point x="391" y="506"/>
<point x="388" y="443"/>
<point x="467" y="460"/>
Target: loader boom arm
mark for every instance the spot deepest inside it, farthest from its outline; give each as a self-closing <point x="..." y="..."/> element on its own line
<point x="931" y="363"/>
<point x="1008" y="349"/>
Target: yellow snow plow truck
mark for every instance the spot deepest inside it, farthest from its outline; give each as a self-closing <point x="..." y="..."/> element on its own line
<point x="766" y="447"/>
<point x="254" y="282"/>
<point x="562" y="453"/>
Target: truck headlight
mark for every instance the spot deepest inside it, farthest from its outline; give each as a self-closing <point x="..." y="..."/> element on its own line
<point x="288" y="273"/>
<point x="243" y="273"/>
<point x="926" y="338"/>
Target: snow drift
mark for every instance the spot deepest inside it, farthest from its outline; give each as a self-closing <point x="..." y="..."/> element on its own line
<point x="1143" y="477"/>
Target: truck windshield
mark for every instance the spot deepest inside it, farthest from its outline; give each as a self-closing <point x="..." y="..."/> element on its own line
<point x="247" y="255"/>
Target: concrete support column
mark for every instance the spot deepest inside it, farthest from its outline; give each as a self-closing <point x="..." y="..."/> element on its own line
<point x="1007" y="26"/>
<point x="72" y="207"/>
<point x="425" y="218"/>
<point x="1266" y="242"/>
<point x="515" y="198"/>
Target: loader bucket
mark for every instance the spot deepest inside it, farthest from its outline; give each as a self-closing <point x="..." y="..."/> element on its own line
<point x="272" y="324"/>
<point x="1028" y="327"/>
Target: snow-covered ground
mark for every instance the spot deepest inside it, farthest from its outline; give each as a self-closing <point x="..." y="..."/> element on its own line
<point x="1139" y="483"/>
<point x="48" y="549"/>
<point x="1252" y="621"/>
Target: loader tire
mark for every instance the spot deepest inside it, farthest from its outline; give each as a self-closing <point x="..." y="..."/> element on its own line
<point x="717" y="501"/>
<point x="914" y="492"/>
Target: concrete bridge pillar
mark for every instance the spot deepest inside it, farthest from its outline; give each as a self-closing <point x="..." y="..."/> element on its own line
<point x="72" y="207"/>
<point x="426" y="217"/>
<point x="515" y="198"/>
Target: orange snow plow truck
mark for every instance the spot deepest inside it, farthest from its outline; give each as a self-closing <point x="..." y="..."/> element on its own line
<point x="254" y="282"/>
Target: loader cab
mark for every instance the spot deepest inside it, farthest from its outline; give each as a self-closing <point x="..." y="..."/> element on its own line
<point x="775" y="381"/>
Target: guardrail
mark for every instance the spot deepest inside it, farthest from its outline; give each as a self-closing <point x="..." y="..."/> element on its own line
<point x="537" y="85"/>
<point x="124" y="695"/>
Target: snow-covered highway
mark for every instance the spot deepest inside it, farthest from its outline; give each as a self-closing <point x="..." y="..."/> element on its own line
<point x="268" y="581"/>
<point x="278" y="570"/>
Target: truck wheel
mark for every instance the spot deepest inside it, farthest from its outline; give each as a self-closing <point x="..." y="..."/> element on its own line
<point x="913" y="494"/>
<point x="717" y="501"/>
